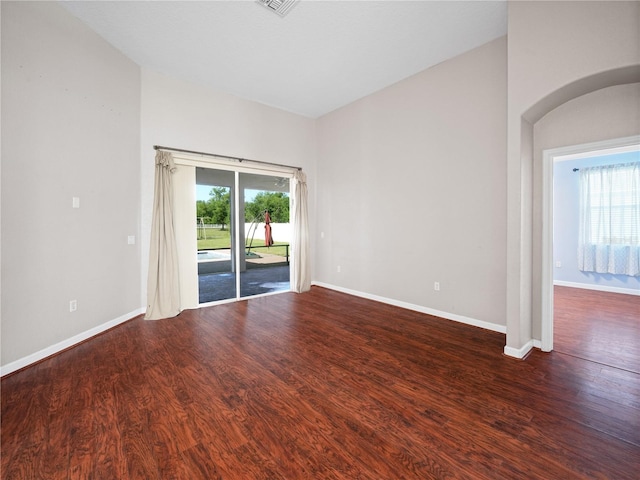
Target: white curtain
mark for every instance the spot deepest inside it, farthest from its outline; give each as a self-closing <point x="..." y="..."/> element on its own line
<point x="609" y="236"/>
<point x="301" y="281"/>
<point x="163" y="285"/>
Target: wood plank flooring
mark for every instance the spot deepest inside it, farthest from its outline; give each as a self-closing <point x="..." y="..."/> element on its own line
<point x="319" y="385"/>
<point x="599" y="326"/>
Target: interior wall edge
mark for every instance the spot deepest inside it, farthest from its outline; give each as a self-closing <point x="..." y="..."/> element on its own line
<point x="519" y="353"/>
<point x="417" y="308"/>
<point x="59" y="347"/>
<point x="599" y="288"/>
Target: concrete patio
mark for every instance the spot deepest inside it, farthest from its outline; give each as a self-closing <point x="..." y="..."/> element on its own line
<point x="263" y="275"/>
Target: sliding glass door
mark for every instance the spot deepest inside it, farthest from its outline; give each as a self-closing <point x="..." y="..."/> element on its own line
<point x="243" y="234"/>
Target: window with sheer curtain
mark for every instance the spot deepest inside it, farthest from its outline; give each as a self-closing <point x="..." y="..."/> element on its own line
<point x="609" y="237"/>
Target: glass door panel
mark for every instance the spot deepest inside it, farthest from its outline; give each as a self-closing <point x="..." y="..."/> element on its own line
<point x="265" y="235"/>
<point x="215" y="233"/>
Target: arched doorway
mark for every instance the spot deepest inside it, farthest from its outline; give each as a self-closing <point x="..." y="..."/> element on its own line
<point x="540" y="296"/>
<point x="615" y="145"/>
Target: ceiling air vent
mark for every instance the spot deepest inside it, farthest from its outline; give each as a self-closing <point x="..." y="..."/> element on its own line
<point x="281" y="7"/>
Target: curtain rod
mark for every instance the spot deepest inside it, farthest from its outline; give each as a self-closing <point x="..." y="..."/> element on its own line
<point x="576" y="169"/>
<point x="158" y="147"/>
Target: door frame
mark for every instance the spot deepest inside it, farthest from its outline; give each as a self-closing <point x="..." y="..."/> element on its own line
<point x="184" y="189"/>
<point x="585" y="150"/>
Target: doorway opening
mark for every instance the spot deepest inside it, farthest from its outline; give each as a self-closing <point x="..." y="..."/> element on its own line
<point x="552" y="260"/>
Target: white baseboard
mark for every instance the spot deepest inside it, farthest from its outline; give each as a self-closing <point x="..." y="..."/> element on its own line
<point x="600" y="288"/>
<point x="418" y="308"/>
<point x="69" y="342"/>
<point x="519" y="352"/>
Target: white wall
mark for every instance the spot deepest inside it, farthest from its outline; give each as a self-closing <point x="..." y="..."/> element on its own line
<point x="612" y="112"/>
<point x="182" y="115"/>
<point x="411" y="189"/>
<point x="557" y="51"/>
<point x="70" y="127"/>
<point x="281" y="232"/>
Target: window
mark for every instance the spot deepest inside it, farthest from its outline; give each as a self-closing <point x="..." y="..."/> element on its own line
<point x="610" y="219"/>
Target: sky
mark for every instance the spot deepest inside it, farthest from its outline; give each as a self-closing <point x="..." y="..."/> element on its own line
<point x="202" y="192"/>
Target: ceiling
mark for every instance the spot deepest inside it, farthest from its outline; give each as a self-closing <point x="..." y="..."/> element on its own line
<point x="320" y="57"/>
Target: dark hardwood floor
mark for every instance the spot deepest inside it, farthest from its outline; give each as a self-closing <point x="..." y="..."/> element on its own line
<point x="319" y="385"/>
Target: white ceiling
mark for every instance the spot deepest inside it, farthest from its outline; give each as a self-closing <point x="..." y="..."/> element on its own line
<point x="321" y="56"/>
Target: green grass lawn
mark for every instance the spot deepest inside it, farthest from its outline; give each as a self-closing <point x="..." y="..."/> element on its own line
<point x="217" y="238"/>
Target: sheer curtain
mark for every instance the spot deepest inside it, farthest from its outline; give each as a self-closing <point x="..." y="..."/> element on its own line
<point x="609" y="235"/>
<point x="163" y="285"/>
<point x="301" y="281"/>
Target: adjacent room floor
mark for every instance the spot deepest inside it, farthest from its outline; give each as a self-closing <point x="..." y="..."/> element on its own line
<point x="599" y="326"/>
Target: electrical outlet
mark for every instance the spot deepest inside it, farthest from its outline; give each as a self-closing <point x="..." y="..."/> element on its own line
<point x="73" y="305"/>
<point x="436" y="286"/>
<point x="131" y="240"/>
<point x="558" y="264"/>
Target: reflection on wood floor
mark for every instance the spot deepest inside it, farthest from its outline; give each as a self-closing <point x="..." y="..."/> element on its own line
<point x="598" y="326"/>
